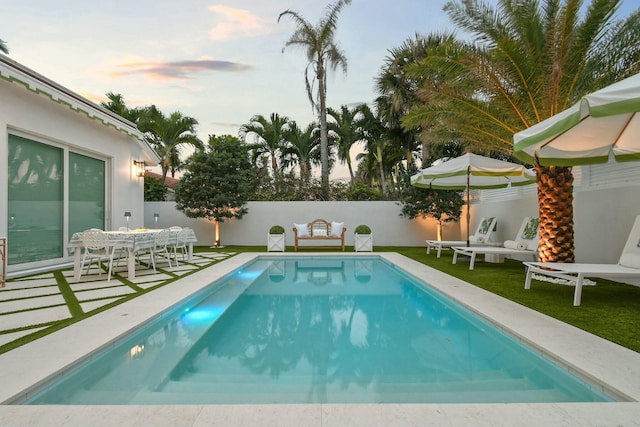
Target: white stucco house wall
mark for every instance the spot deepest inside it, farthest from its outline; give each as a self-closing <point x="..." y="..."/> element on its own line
<point x="66" y="164"/>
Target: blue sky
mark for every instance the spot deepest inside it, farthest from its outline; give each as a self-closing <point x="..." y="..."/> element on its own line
<point x="220" y="62"/>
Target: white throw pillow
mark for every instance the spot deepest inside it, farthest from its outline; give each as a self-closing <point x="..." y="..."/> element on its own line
<point x="476" y="239"/>
<point x="303" y="229"/>
<point x="336" y="229"/>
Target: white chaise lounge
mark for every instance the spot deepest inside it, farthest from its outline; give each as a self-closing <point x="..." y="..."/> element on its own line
<point x="525" y="243"/>
<point x="628" y="266"/>
<point x="482" y="236"/>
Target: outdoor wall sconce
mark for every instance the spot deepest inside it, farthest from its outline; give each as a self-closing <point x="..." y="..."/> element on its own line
<point x="156" y="216"/>
<point x="139" y="168"/>
<point x="127" y="215"/>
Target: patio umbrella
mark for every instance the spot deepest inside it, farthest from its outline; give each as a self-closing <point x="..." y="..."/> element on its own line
<point x="601" y="126"/>
<point x="472" y="171"/>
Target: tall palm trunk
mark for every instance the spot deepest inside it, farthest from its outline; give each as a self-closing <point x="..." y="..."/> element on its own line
<point x="324" y="140"/>
<point x="274" y="166"/>
<point x="555" y="206"/>
<point x="305" y="174"/>
<point x="353" y="177"/>
<point x="383" y="179"/>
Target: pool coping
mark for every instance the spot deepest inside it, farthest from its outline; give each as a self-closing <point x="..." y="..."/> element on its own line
<point x="613" y="367"/>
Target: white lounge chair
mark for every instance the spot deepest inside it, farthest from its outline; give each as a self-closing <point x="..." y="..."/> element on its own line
<point x="628" y="266"/>
<point x="482" y="236"/>
<point x="525" y="243"/>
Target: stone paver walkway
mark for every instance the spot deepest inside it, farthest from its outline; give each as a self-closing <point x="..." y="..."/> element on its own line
<point x="34" y="303"/>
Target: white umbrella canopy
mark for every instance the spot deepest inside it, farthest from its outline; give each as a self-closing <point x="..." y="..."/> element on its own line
<point x="601" y="126"/>
<point x="472" y="171"/>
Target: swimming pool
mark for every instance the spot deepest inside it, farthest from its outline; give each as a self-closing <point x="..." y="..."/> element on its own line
<point x="348" y="330"/>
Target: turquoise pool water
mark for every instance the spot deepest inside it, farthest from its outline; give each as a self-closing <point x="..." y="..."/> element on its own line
<point x="304" y="330"/>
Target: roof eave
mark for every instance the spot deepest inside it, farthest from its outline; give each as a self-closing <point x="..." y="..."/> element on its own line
<point x="15" y="72"/>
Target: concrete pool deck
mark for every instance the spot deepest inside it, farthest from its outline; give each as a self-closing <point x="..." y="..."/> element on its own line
<point x="612" y="368"/>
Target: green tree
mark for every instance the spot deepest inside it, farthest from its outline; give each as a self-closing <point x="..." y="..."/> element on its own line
<point x="398" y="92"/>
<point x="117" y="104"/>
<point x="168" y="136"/>
<point x="302" y="149"/>
<point x="374" y="159"/>
<point x="269" y="139"/>
<point x="323" y="54"/>
<point x="441" y="205"/>
<point x="217" y="182"/>
<point x="347" y="128"/>
<point x="154" y="190"/>
<point x="531" y="60"/>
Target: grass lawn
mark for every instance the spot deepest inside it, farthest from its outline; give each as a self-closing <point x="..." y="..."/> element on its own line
<point x="610" y="310"/>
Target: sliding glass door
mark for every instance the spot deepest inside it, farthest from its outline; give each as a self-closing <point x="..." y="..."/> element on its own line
<point x="37" y="203"/>
<point x="86" y="193"/>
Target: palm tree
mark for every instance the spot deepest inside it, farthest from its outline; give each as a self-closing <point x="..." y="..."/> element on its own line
<point x="347" y="128"/>
<point x="376" y="146"/>
<point x="269" y="138"/>
<point x="532" y="61"/>
<point x="302" y="149"/>
<point x="168" y="135"/>
<point x="3" y="47"/>
<point x="116" y="104"/>
<point x="322" y="54"/>
<point x="398" y="91"/>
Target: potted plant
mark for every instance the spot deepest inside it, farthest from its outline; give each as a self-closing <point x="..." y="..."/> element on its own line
<point x="363" y="239"/>
<point x="276" y="239"/>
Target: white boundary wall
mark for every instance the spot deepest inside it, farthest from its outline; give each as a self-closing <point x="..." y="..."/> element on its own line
<point x="388" y="227"/>
<point x="606" y="203"/>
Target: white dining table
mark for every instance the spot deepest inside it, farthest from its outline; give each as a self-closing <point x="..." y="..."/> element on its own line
<point x="133" y="241"/>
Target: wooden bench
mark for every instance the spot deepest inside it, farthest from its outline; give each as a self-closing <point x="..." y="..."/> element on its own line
<point x="319" y="229"/>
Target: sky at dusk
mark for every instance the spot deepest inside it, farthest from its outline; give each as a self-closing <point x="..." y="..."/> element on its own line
<point x="221" y="63"/>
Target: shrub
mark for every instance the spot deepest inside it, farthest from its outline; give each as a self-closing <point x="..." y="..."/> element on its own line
<point x="361" y="191"/>
<point x="154" y="190"/>
<point x="363" y="229"/>
<point x="276" y="229"/>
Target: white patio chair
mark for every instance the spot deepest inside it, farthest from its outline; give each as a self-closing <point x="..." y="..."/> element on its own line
<point x="96" y="247"/>
<point x="481" y="237"/>
<point x="181" y="244"/>
<point x="160" y="247"/>
<point x="628" y="266"/>
<point x="524" y="244"/>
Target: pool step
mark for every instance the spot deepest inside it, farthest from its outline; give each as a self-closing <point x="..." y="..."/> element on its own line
<point x="371" y="392"/>
<point x="207" y="375"/>
<point x="535" y="396"/>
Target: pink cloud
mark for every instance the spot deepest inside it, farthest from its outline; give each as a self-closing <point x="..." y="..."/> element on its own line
<point x="177" y="69"/>
<point x="237" y="24"/>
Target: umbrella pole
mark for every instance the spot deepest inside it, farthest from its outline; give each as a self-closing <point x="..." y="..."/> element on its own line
<point x="468" y="203"/>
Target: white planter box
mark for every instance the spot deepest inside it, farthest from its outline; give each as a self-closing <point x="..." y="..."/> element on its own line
<point x="275" y="242"/>
<point x="363" y="242"/>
